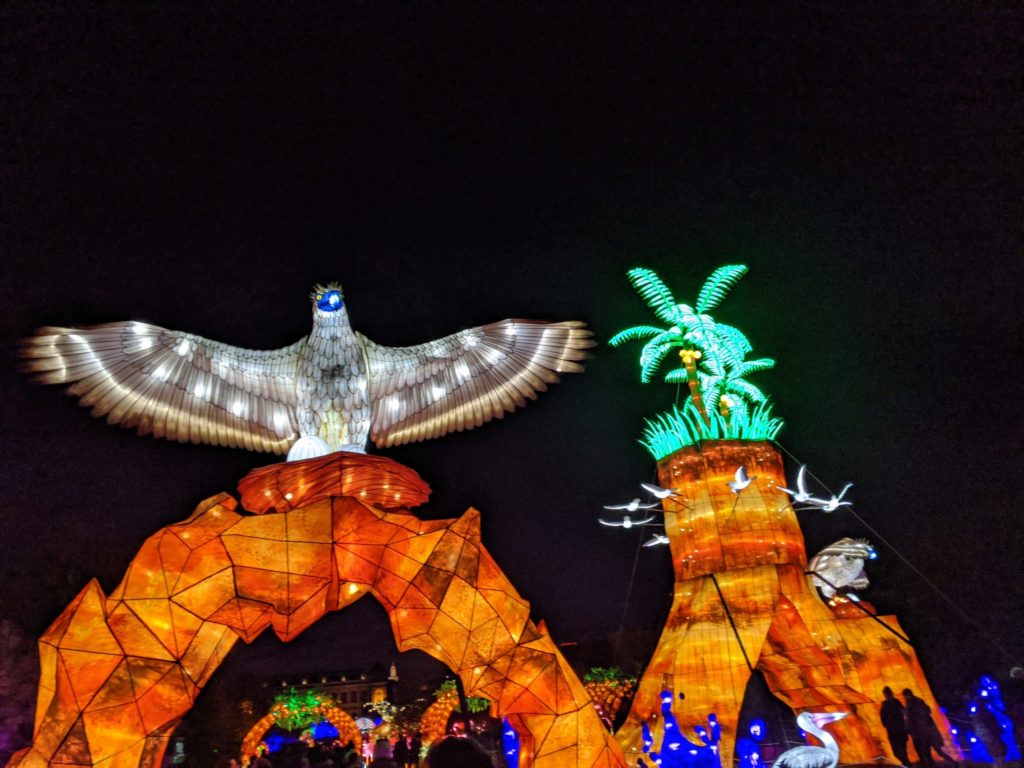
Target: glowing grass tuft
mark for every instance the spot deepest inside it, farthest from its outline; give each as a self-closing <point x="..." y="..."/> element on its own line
<point x="669" y="432"/>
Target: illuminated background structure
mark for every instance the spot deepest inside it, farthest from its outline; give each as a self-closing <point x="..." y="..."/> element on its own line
<point x="197" y="171"/>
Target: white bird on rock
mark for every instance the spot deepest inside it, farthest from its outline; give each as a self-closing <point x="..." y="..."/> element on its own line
<point x="834" y="503"/>
<point x="840" y="566"/>
<point x="807" y="756"/>
<point x="655" y="540"/>
<point x="741" y="481"/>
<point x="633" y="506"/>
<point x="625" y="522"/>
<point x="800" y="494"/>
<point x="332" y="390"/>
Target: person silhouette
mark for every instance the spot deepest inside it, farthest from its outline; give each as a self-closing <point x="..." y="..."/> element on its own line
<point x="919" y="726"/>
<point x="894" y="718"/>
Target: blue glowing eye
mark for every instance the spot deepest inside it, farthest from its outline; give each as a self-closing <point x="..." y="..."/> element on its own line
<point x="873" y="555"/>
<point x="329" y="301"/>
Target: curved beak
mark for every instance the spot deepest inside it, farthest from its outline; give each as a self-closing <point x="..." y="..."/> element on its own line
<point x="824" y="718"/>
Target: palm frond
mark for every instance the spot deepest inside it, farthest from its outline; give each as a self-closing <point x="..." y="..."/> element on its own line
<point x="754" y="366"/>
<point x="738" y="410"/>
<point x="733" y="343"/>
<point x="651" y="360"/>
<point x="653" y="291"/>
<point x="718" y="285"/>
<point x="676" y="376"/>
<point x="710" y="389"/>
<point x="633" y="334"/>
<point x="746" y="390"/>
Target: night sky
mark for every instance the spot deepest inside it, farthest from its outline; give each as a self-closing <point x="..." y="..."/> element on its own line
<point x="200" y="170"/>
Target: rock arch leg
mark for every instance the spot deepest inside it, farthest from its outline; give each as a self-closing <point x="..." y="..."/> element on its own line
<point x="447" y="596"/>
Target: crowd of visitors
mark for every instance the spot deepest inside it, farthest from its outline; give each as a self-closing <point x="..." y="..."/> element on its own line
<point x="405" y="752"/>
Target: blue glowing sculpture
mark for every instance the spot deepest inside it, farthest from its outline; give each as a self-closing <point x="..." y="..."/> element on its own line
<point x="990" y="697"/>
<point x="510" y="744"/>
<point x="676" y="750"/>
<point x="748" y="748"/>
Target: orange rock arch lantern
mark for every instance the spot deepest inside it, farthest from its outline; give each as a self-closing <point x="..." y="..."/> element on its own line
<point x="119" y="671"/>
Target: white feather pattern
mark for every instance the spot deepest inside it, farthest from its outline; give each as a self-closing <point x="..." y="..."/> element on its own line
<point x="174" y="385"/>
<point x="466" y="379"/>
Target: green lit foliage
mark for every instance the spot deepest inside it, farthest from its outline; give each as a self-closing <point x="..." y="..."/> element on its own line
<point x="475" y="703"/>
<point x="384" y="709"/>
<point x="612" y="675"/>
<point x="723" y="403"/>
<point x="669" y="432"/>
<point x="296" y="710"/>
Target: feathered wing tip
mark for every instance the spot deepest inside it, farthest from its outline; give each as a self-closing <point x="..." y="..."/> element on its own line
<point x="320" y="288"/>
<point x="577" y="340"/>
<point x="171" y="384"/>
<point x="469" y="378"/>
<point x="40" y="357"/>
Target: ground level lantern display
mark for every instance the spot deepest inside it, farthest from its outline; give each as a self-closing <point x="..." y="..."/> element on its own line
<point x="307" y="710"/>
<point x="119" y="672"/>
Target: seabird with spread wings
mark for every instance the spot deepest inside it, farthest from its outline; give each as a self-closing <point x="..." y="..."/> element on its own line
<point x="333" y="390"/>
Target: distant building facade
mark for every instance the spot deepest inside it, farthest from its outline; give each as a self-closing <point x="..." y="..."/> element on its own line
<point x="352" y="688"/>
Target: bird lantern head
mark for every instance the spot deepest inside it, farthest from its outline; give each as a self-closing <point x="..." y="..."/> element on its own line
<point x="327" y="298"/>
<point x="821" y="719"/>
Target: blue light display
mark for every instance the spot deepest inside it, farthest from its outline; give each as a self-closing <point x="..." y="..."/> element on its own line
<point x="510" y="744"/>
<point x="676" y="750"/>
<point x="329" y="301"/>
<point x="324" y="730"/>
<point x="990" y="697"/>
<point x="748" y="748"/>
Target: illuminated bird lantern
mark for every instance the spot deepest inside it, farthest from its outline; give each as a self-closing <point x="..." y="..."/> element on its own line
<point x="330" y="391"/>
<point x="742" y="598"/>
<point x="305" y="537"/>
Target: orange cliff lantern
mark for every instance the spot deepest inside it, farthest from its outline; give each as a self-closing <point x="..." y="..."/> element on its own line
<point x="120" y="671"/>
<point x="743" y="599"/>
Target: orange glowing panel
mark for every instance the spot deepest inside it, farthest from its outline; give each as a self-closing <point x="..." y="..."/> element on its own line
<point x="119" y="672"/>
<point x="374" y="480"/>
<point x="742" y="601"/>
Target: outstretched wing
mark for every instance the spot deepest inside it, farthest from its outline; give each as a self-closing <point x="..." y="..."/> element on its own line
<point x="174" y="385"/>
<point x="463" y="380"/>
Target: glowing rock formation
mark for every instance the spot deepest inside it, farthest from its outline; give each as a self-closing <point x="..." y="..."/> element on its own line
<point x="743" y="601"/>
<point x="119" y="671"/>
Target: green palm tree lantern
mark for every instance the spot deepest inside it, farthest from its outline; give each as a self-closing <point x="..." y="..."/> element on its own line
<point x="722" y="403"/>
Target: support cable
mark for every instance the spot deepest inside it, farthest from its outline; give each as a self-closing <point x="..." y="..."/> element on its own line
<point x="728" y="615"/>
<point x="874" y="616"/>
<point x="935" y="588"/>
<point x="629" y="593"/>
